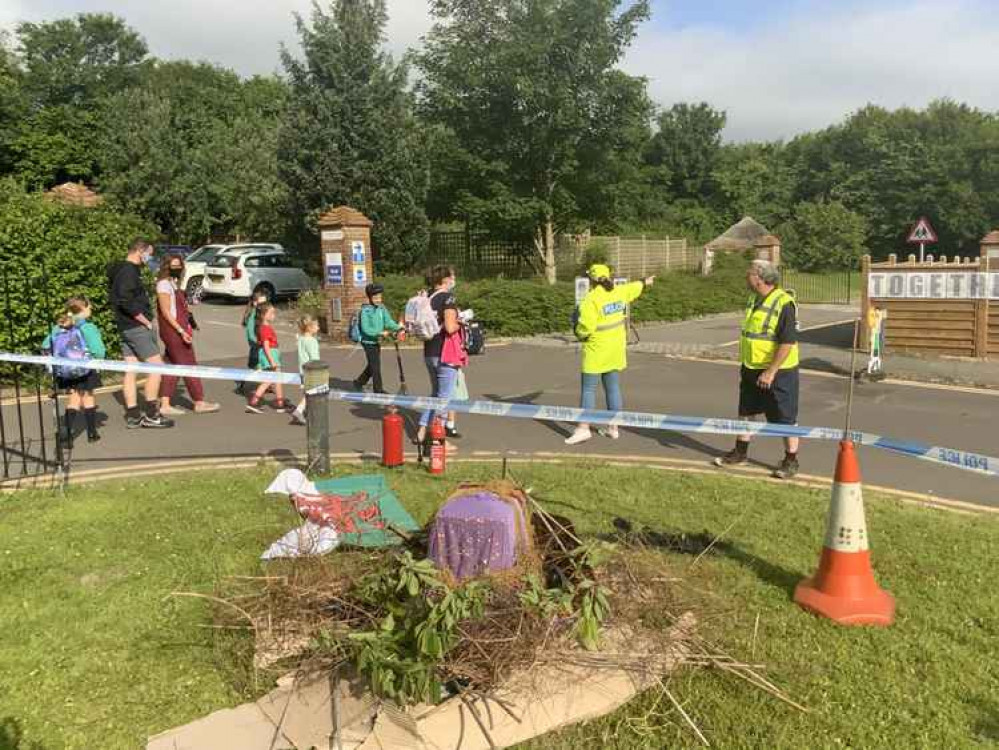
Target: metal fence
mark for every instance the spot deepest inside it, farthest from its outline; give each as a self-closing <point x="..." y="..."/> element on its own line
<point x="477" y="255"/>
<point x="30" y="418"/>
<point x="829" y="287"/>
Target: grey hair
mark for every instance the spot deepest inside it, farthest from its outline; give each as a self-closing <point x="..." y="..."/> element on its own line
<point x="765" y="271"/>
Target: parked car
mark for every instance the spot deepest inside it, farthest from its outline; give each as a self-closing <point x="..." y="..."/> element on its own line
<point x="242" y="270"/>
<point x="194" y="270"/>
<point x="162" y="251"/>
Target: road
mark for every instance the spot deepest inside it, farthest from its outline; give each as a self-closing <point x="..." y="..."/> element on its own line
<point x="549" y="375"/>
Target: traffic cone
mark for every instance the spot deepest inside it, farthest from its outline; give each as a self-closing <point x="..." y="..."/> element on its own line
<point x="844" y="589"/>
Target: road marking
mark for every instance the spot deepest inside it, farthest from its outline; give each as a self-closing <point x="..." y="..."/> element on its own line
<point x="817" y="327"/>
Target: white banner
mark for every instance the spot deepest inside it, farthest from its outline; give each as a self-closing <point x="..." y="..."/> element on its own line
<point x="965" y="285"/>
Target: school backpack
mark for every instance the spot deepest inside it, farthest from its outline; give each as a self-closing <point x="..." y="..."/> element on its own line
<point x="68" y="343"/>
<point x="475" y="339"/>
<point x="354" y="327"/>
<point x="421" y="319"/>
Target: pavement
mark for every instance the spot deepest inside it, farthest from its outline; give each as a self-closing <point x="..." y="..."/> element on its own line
<point x="545" y="373"/>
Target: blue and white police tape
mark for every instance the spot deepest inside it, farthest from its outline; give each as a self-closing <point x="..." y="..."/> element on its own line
<point x="150" y="368"/>
<point x="966" y="460"/>
<point x="675" y="423"/>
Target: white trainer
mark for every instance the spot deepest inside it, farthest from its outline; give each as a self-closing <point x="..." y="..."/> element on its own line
<point x="610" y="432"/>
<point x="581" y="435"/>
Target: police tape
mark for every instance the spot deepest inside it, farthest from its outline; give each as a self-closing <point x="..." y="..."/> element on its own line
<point x="151" y="368"/>
<point x="965" y="460"/>
<point x="674" y="423"/>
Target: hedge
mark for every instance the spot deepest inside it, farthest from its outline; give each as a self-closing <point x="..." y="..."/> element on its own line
<point x="525" y="308"/>
<point x="50" y="251"/>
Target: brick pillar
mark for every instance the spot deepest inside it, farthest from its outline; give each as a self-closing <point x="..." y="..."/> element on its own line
<point x="767" y="247"/>
<point x="344" y="237"/>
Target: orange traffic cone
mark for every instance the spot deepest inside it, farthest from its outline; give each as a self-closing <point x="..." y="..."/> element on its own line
<point x="844" y="589"/>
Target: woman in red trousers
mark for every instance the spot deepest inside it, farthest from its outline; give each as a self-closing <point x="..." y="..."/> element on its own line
<point x="176" y="326"/>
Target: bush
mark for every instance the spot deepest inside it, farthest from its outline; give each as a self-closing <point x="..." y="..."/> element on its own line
<point x="48" y="252"/>
<point x="526" y="308"/>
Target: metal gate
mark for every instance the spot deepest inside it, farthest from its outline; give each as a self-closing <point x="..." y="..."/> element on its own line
<point x="30" y="417"/>
<point x="837" y="287"/>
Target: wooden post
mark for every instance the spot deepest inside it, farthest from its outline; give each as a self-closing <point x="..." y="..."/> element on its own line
<point x="316" y="377"/>
<point x="865" y="302"/>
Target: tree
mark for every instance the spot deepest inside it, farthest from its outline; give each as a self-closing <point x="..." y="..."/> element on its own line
<point x="349" y="136"/>
<point x="823" y="235"/>
<point x="194" y="148"/>
<point x="69" y="67"/>
<point x="527" y="91"/>
<point x="687" y="145"/>
<point x="755" y="179"/>
<point x="12" y="104"/>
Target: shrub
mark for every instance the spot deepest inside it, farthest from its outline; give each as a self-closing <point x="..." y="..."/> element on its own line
<point x="526" y="308"/>
<point x="49" y="251"/>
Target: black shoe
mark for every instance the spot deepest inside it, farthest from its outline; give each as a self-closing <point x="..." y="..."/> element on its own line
<point x="94" y="438"/>
<point x="381" y="392"/>
<point x="157" y="422"/>
<point x="133" y="423"/>
<point x="253" y="408"/>
<point x="732" y="458"/>
<point x="788" y="469"/>
<point x="240" y="389"/>
<point x="452" y="433"/>
<point x="357" y="385"/>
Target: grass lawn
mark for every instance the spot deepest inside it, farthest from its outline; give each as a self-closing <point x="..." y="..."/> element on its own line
<point x="93" y="653"/>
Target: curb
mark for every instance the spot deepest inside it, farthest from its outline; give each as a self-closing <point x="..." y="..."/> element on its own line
<point x="298" y="460"/>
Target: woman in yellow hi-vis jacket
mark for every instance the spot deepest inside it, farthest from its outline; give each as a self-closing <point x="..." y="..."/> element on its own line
<point x="602" y="326"/>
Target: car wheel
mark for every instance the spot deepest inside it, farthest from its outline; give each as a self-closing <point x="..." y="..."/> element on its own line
<point x="194" y="290"/>
<point x="267" y="289"/>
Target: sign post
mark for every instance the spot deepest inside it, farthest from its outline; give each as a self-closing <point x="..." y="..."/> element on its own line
<point x="922" y="234"/>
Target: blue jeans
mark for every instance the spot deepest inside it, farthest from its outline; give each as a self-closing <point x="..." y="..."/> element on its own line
<point x="443" y="380"/>
<point x="612" y="390"/>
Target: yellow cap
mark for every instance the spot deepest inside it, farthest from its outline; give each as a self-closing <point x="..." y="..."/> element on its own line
<point x="599" y="271"/>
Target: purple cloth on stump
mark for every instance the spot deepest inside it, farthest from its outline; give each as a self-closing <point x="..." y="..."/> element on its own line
<point x="475" y="534"/>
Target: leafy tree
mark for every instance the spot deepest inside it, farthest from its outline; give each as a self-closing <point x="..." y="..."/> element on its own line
<point x="12" y="104"/>
<point x="195" y="149"/>
<point x="69" y="67"/>
<point x="349" y="136"/>
<point x="527" y="91"/>
<point x="823" y="235"/>
<point x="687" y="146"/>
<point x="756" y="180"/>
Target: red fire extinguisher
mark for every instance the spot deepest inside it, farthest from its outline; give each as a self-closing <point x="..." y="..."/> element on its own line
<point x="438" y="447"/>
<point x="392" y="432"/>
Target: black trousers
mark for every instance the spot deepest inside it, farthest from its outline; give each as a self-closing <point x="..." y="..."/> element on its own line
<point x="373" y="353"/>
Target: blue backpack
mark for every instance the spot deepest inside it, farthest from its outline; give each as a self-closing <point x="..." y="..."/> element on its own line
<point x="68" y="343"/>
<point x="354" y="328"/>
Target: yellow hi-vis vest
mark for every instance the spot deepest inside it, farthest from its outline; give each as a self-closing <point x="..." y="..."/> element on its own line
<point x="602" y="327"/>
<point x="759" y="332"/>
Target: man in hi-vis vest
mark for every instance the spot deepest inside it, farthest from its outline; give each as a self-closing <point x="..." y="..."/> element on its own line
<point x="769" y="373"/>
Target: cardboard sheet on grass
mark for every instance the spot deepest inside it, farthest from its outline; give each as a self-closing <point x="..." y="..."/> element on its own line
<point x="301" y="715"/>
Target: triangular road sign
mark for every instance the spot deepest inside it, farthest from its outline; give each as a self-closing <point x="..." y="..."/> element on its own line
<point x="922" y="233"/>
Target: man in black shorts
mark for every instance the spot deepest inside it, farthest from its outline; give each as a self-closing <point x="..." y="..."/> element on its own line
<point x="133" y="316"/>
<point x="769" y="379"/>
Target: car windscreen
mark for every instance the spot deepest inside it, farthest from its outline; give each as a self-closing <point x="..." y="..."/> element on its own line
<point x="204" y="255"/>
<point x="224" y="261"/>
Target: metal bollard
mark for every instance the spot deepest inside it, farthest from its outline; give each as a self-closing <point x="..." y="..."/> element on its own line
<point x="315" y="375"/>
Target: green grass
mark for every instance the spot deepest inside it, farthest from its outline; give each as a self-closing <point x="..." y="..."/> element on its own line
<point x="93" y="653"/>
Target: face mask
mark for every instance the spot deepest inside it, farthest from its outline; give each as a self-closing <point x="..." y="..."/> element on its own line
<point x="176" y="273"/>
<point x="452" y="285"/>
<point x="146" y="257"/>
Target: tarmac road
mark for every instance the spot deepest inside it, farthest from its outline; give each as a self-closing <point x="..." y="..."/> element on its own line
<point x="549" y="375"/>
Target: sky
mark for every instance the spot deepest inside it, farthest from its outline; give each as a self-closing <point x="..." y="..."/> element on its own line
<point x="777" y="67"/>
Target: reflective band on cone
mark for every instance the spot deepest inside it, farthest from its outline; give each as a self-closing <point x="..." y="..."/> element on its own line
<point x="844" y="589"/>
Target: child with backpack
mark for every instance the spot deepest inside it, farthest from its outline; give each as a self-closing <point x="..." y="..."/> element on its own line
<point x="308" y="351"/>
<point x="249" y="323"/>
<point x="269" y="359"/>
<point x="75" y="337"/>
<point x="373" y="323"/>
